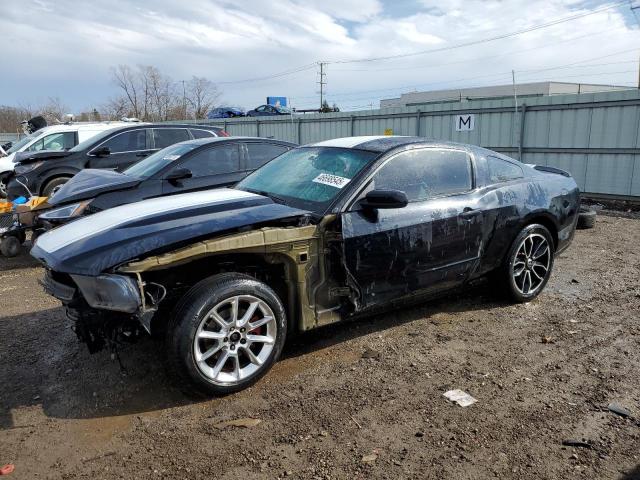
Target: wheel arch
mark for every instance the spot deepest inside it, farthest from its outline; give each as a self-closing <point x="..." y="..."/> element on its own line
<point x="545" y="219"/>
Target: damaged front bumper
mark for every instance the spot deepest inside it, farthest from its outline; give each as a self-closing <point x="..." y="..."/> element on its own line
<point x="107" y="309"/>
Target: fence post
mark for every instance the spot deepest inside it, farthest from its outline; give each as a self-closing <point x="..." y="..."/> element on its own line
<point x="299" y="131"/>
<point x="418" y="123"/>
<point x="257" y="127"/>
<point x="353" y="121"/>
<point x="523" y="110"/>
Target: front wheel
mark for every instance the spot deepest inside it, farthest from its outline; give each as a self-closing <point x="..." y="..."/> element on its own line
<point x="225" y="334"/>
<point x="529" y="262"/>
<point x="53" y="186"/>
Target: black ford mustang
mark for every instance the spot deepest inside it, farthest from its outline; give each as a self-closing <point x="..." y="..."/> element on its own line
<point x="319" y="234"/>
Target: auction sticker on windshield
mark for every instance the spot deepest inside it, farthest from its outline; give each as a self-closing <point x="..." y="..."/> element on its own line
<point x="331" y="180"/>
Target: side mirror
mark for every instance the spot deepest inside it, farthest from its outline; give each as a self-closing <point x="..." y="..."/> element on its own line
<point x="178" y="174"/>
<point x="102" y="152"/>
<point x="385" y="199"/>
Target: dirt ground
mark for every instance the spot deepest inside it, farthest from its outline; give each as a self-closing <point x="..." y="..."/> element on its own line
<point x="360" y="400"/>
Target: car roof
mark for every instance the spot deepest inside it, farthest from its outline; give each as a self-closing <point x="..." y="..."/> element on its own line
<point x="383" y="143"/>
<point x="206" y="141"/>
<point x="73" y="127"/>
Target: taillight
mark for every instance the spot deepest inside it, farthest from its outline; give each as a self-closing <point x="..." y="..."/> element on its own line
<point x="222" y="133"/>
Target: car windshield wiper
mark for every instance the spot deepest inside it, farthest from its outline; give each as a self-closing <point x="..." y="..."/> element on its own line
<point x="264" y="193"/>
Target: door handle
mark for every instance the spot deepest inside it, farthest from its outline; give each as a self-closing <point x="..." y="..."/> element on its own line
<point x="468" y="213"/>
<point x="141" y="154"/>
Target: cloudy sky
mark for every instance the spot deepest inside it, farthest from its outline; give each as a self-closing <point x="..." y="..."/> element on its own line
<point x="65" y="48"/>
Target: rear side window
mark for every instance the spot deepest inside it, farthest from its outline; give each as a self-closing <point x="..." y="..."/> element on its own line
<point x="426" y="173"/>
<point x="197" y="133"/>
<point x="261" y="153"/>
<point x="214" y="161"/>
<point x="503" y="171"/>
<point x="130" y="141"/>
<point x="55" y="141"/>
<point x="163" y="137"/>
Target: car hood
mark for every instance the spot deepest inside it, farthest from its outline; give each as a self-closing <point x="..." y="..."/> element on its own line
<point x="99" y="242"/>
<point x="27" y="157"/>
<point x="90" y="183"/>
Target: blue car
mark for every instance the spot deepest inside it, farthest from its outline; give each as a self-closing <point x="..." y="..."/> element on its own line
<point x="226" y="112"/>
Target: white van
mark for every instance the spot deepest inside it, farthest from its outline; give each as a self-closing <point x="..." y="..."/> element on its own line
<point x="54" y="137"/>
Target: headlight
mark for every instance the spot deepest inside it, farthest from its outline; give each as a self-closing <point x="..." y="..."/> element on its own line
<point x="23" y="168"/>
<point x="66" y="212"/>
<point x="110" y="292"/>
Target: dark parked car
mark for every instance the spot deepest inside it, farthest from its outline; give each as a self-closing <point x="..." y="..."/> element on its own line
<point x="183" y="167"/>
<point x="268" y="110"/>
<point x="318" y="235"/>
<point x="226" y="112"/>
<point x="43" y="172"/>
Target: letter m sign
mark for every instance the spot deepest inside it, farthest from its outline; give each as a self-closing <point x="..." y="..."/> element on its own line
<point x="465" y="122"/>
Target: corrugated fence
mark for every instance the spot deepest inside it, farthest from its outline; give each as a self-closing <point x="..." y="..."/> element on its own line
<point x="593" y="136"/>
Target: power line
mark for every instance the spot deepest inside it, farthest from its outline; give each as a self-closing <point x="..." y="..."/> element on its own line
<point x="301" y="68"/>
<point x="485" y="40"/>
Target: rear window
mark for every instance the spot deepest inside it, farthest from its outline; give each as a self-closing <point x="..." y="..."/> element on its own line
<point x="199" y="133"/>
<point x="502" y="170"/>
<point x="163" y="137"/>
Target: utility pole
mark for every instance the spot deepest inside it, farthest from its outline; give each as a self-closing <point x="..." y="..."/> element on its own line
<point x="322" y="83"/>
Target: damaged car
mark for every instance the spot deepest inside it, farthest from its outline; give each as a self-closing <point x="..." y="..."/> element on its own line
<point x="319" y="235"/>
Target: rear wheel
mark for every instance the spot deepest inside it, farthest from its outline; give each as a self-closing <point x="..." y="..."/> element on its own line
<point x="54" y="185"/>
<point x="529" y="262"/>
<point x="225" y="334"/>
<point x="10" y="246"/>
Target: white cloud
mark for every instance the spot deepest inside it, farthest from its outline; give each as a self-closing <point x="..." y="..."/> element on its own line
<point x="65" y="48"/>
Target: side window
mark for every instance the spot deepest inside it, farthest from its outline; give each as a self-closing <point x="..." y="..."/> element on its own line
<point x="197" y="133"/>
<point x="130" y="141"/>
<point x="425" y="173"/>
<point x="163" y="137"/>
<point x="55" y="141"/>
<point x="261" y="153"/>
<point x="502" y="171"/>
<point x="261" y="109"/>
<point x="214" y="161"/>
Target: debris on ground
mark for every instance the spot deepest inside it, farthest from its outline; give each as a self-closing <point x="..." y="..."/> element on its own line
<point x="7" y="469"/>
<point x="371" y="353"/>
<point x="460" y="397"/>
<point x="547" y="339"/>
<point x="372" y="457"/>
<point x="619" y="410"/>
<point x="572" y="442"/>
<point x="240" y="422"/>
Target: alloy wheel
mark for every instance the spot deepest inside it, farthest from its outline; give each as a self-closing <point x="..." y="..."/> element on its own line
<point x="531" y="264"/>
<point x="235" y="338"/>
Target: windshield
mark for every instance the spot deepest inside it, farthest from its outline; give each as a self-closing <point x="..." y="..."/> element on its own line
<point x="23" y="141"/>
<point x="282" y="109"/>
<point x="91" y="141"/>
<point x="156" y="162"/>
<point x="308" y="177"/>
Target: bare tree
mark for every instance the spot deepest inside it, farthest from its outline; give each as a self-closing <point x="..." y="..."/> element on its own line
<point x="201" y="95"/>
<point x="128" y="82"/>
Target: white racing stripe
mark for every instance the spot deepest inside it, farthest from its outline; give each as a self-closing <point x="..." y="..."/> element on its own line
<point x="113" y="217"/>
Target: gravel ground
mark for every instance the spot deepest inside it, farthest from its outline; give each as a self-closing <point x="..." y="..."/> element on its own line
<point x="359" y="400"/>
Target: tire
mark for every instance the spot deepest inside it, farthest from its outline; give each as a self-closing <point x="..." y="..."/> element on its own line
<point x="4" y="180"/>
<point x="527" y="285"/>
<point x="211" y="356"/>
<point x="586" y="219"/>
<point x="10" y="246"/>
<point x="53" y="185"/>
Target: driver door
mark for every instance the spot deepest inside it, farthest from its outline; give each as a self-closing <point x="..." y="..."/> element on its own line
<point x="431" y="244"/>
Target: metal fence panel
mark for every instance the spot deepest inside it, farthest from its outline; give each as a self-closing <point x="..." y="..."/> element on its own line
<point x="594" y="136"/>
